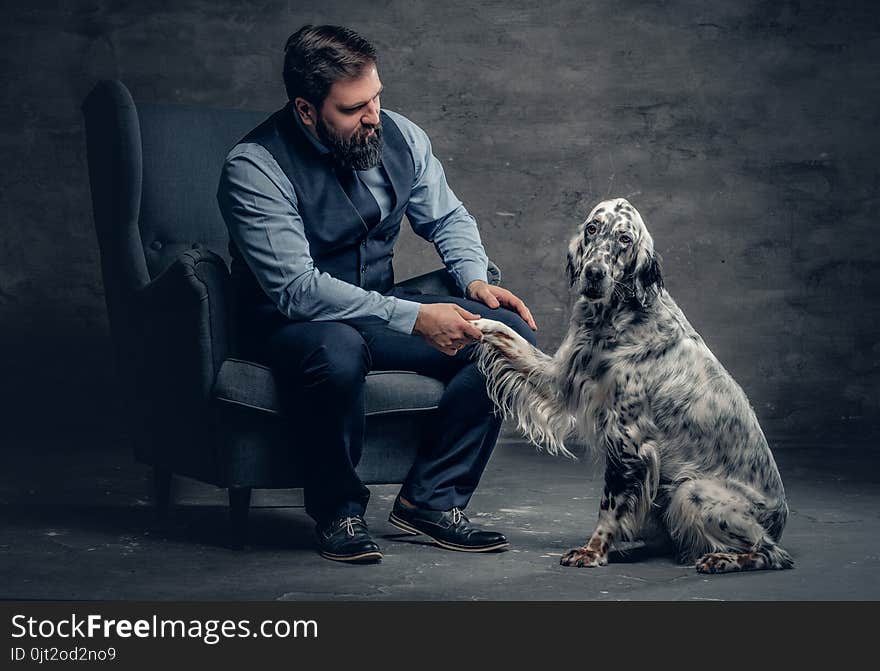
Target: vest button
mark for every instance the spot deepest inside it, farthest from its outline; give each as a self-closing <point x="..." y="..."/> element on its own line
<point x="363" y="269"/>
<point x="156" y="244"/>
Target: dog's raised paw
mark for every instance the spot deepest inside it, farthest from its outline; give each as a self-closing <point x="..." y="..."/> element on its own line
<point x="500" y="336"/>
<point x="491" y="326"/>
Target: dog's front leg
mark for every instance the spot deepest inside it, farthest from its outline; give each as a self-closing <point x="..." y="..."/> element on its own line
<point x="624" y="486"/>
<point x="631" y="477"/>
<point x="521" y="380"/>
<point x="595" y="551"/>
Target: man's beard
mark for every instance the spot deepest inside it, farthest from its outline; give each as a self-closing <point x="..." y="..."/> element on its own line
<point x="359" y="152"/>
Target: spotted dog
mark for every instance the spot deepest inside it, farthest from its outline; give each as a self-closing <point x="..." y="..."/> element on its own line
<point x="684" y="452"/>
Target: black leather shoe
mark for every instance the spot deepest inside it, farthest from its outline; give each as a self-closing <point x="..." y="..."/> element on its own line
<point x="449" y="529"/>
<point x="347" y="539"/>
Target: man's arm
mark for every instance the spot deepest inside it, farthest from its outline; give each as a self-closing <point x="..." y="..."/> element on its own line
<point x="259" y="206"/>
<point x="438" y="216"/>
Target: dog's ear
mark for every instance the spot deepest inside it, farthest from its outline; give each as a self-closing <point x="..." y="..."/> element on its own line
<point x="570" y="270"/>
<point x="648" y="280"/>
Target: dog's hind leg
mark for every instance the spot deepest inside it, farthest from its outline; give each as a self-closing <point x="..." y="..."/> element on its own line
<point x="723" y="526"/>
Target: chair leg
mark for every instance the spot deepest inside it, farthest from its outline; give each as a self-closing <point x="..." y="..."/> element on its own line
<point x="239" y="504"/>
<point x="162" y="491"/>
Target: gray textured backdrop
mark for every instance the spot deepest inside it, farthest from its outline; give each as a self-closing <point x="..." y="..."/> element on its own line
<point x="745" y="132"/>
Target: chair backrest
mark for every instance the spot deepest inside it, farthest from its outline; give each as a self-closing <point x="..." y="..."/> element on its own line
<point x="183" y="152"/>
<point x="154" y="171"/>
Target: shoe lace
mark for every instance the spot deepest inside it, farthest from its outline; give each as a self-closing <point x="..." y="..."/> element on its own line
<point x="458" y="516"/>
<point x="350" y="523"/>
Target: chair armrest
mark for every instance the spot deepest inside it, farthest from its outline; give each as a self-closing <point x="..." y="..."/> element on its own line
<point x="440" y="282"/>
<point x="183" y="316"/>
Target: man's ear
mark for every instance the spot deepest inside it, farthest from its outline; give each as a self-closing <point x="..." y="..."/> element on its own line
<point x="306" y="111"/>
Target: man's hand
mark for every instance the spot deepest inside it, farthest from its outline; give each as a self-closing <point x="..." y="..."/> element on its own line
<point x="446" y="326"/>
<point x="495" y="297"/>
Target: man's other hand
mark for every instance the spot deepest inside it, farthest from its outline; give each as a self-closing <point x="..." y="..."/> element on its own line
<point x="495" y="297"/>
<point x="446" y="326"/>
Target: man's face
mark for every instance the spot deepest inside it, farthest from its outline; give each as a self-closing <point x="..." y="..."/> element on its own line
<point x="348" y="122"/>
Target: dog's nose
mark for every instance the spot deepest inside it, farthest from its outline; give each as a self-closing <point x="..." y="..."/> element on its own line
<point x="595" y="275"/>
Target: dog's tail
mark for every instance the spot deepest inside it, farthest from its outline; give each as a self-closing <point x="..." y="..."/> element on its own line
<point x="537" y="410"/>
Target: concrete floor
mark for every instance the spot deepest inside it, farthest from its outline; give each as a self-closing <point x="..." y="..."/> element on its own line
<point x="85" y="530"/>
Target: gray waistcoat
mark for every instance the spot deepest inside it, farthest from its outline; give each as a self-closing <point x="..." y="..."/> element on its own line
<point x="339" y="241"/>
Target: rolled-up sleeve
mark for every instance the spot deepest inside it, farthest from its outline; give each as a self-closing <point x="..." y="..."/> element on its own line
<point x="437" y="215"/>
<point x="259" y="207"/>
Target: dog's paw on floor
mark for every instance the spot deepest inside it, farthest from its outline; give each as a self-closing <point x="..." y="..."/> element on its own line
<point x="584" y="557"/>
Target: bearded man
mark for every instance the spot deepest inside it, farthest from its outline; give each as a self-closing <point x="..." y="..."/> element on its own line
<point x="313" y="199"/>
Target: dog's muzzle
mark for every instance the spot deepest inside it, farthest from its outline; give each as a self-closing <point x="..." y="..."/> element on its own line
<point x="595" y="282"/>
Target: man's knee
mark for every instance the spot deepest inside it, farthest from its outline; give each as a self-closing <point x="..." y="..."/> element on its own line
<point x="329" y="355"/>
<point x="341" y="360"/>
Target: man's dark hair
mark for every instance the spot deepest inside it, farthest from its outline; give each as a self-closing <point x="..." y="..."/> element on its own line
<point x="317" y="56"/>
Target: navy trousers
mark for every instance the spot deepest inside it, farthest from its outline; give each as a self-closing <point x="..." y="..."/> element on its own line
<point x="321" y="366"/>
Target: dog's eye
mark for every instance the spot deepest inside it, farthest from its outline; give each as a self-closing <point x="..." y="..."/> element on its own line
<point x="625" y="239"/>
<point x="592" y="228"/>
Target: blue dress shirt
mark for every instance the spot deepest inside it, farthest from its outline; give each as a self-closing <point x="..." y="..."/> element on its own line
<point x="259" y="206"/>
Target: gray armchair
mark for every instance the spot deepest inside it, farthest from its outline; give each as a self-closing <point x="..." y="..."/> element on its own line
<point x="194" y="407"/>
